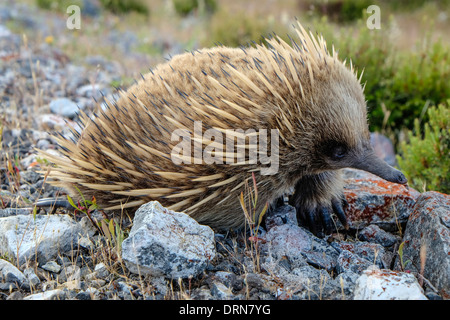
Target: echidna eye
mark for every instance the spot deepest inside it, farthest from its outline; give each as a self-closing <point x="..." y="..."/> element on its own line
<point x="339" y="152"/>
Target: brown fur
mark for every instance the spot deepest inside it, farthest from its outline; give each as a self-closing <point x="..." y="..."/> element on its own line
<point x="123" y="154"/>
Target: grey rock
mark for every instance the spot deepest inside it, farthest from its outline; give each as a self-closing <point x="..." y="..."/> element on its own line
<point x="220" y="291"/>
<point x="371" y="252"/>
<point x="101" y="271"/>
<point x="383" y="148"/>
<point x="51" y="266"/>
<point x="16" y="295"/>
<point x="347" y="261"/>
<point x="31" y="276"/>
<point x="375" y="234"/>
<point x="42" y="237"/>
<point x="428" y="232"/>
<point x="285" y="214"/>
<point x="14" y="211"/>
<point x="64" y="107"/>
<point x="164" y="242"/>
<point x="10" y="275"/>
<point x="288" y="242"/>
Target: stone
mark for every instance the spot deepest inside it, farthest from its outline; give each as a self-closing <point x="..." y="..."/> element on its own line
<point x="167" y="243"/>
<point x="371" y="252"/>
<point x="31" y="276"/>
<point x="384" y="284"/>
<point x="25" y="238"/>
<point x="221" y="291"/>
<point x="101" y="271"/>
<point x="10" y="274"/>
<point x="14" y="211"/>
<point x="428" y="234"/>
<point x="375" y="234"/>
<point x="288" y="242"/>
<point x="285" y="214"/>
<point x="51" y="266"/>
<point x="348" y="261"/>
<point x="56" y="294"/>
<point x="372" y="200"/>
<point x="383" y="148"/>
<point x="64" y="107"/>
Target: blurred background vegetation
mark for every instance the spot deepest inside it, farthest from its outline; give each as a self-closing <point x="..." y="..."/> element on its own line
<point x="406" y="63"/>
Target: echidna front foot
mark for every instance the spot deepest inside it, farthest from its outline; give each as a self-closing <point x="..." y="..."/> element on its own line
<point x="316" y="198"/>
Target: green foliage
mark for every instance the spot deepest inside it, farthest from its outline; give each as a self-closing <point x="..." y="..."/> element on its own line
<point x="184" y="7"/>
<point x="403" y="263"/>
<point x="340" y="10"/>
<point x="115" y="6"/>
<point x="240" y="29"/>
<point x="59" y="5"/>
<point x="125" y="6"/>
<point x="425" y="159"/>
<point x="398" y="83"/>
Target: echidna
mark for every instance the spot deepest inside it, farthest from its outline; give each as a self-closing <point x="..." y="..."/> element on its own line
<point x="125" y="154"/>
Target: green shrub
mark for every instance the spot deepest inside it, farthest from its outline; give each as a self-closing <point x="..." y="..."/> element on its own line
<point x="115" y="6"/>
<point x="340" y="10"/>
<point x="425" y="159"/>
<point x="125" y="6"/>
<point x="400" y="83"/>
<point x="58" y="5"/>
<point x="184" y="7"/>
<point x="240" y="29"/>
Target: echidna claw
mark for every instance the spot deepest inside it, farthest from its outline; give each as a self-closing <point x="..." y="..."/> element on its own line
<point x="319" y="219"/>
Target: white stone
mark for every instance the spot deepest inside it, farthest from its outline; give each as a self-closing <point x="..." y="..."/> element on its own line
<point x="56" y="294"/>
<point x="9" y="273"/>
<point x="42" y="237"/>
<point x="384" y="284"/>
<point x="167" y="243"/>
<point x="64" y="107"/>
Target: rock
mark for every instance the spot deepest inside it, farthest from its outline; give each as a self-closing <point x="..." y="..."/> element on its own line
<point x="70" y="273"/>
<point x="293" y="247"/>
<point x="164" y="242"/>
<point x="376" y="284"/>
<point x="90" y="90"/>
<point x="347" y="281"/>
<point x="11" y="276"/>
<point x="288" y="242"/>
<point x="221" y="291"/>
<point x="428" y="231"/>
<point x="374" y="234"/>
<point x="285" y="214"/>
<point x="31" y="276"/>
<point x="56" y="294"/>
<point x="101" y="271"/>
<point x="64" y="107"/>
<point x="25" y="238"/>
<point x="53" y="122"/>
<point x="372" y="200"/>
<point x="16" y="295"/>
<point x="383" y="148"/>
<point x="14" y="211"/>
<point x="51" y="266"/>
<point x="371" y="252"/>
<point x="83" y="295"/>
<point x="348" y="261"/>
